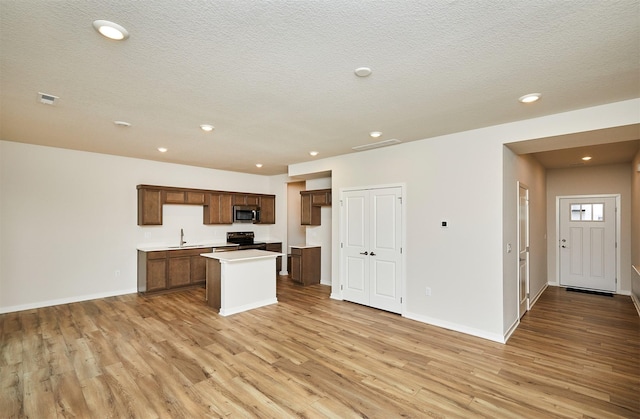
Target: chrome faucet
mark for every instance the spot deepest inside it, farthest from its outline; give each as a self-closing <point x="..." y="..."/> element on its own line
<point x="182" y="242"/>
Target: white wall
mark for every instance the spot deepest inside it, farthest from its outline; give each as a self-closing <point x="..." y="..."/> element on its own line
<point x="69" y="220"/>
<point x="606" y="179"/>
<point x="460" y="178"/>
<point x="321" y="235"/>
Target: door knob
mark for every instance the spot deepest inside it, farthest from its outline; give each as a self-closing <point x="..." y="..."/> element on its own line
<point x="373" y="254"/>
<point x="364" y="253"/>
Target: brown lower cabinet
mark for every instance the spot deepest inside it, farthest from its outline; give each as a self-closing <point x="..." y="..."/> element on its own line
<point x="171" y="269"/>
<point x="305" y="265"/>
<point x="276" y="247"/>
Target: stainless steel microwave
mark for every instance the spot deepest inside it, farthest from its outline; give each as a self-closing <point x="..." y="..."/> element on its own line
<point x="246" y="214"/>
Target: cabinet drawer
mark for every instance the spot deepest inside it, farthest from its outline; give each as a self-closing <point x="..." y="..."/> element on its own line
<point x="296" y="251"/>
<point x="189" y="252"/>
<point x="156" y="255"/>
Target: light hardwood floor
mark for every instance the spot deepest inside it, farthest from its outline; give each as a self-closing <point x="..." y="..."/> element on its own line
<point x="574" y="355"/>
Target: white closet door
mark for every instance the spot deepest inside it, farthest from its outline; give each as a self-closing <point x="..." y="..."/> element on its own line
<point x="372" y="248"/>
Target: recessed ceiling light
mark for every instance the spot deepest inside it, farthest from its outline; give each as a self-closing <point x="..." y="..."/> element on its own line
<point x="258" y="165"/>
<point x="586" y="158"/>
<point x="530" y="98"/>
<point x="363" y="71"/>
<point x="313" y="153"/>
<point x="206" y="127"/>
<point x="110" y="30"/>
<point x="162" y="149"/>
<point x="375" y="134"/>
<point x="122" y="123"/>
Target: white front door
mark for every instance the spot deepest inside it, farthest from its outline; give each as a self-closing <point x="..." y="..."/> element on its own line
<point x="372" y="248"/>
<point x="523" y="249"/>
<point x="588" y="243"/>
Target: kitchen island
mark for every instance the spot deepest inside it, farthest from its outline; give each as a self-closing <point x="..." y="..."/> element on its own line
<point x="240" y="280"/>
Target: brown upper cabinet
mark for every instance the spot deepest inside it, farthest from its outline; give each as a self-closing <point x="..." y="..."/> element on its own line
<point x="267" y="209"/>
<point x="218" y="205"/>
<point x="219" y="210"/>
<point x="246" y="199"/>
<point x="311" y="201"/>
<point x="149" y="207"/>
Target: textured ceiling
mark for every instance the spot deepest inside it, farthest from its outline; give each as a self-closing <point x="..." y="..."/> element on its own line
<point x="276" y="78"/>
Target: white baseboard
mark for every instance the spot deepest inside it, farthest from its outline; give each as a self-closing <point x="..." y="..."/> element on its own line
<point x="534" y="300"/>
<point x="246" y="307"/>
<point x="69" y="300"/>
<point x="495" y="337"/>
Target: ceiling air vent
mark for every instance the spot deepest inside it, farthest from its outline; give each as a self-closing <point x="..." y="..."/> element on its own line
<point x="47" y="99"/>
<point x="379" y="144"/>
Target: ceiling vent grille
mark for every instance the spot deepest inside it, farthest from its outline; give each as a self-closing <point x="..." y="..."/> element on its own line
<point x="47" y="99"/>
<point x="379" y="144"/>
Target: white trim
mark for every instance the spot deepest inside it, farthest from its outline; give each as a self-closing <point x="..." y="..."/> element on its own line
<point x="511" y="329"/>
<point x="68" y="300"/>
<point x="618" y="234"/>
<point x="245" y="307"/>
<point x="636" y="303"/>
<point x="534" y="300"/>
<point x="496" y="337"/>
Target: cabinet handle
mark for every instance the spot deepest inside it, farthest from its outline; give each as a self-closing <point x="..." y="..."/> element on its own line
<point x="364" y="253"/>
<point x="373" y="254"/>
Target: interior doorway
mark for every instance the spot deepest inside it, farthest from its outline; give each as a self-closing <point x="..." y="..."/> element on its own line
<point x="523" y="249"/>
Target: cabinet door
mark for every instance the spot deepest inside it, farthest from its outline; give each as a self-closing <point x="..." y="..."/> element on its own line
<point x="239" y="199"/>
<point x="276" y="247"/>
<point x="173" y="197"/>
<point x="156" y="274"/>
<point x="309" y="213"/>
<point x="219" y="210"/>
<point x="267" y="209"/>
<point x="179" y="271"/>
<point x="253" y="200"/>
<point x="310" y="266"/>
<point x="195" y="198"/>
<point x="149" y="207"/>
<point x="295" y="270"/>
<point x="320" y="198"/>
<point x="199" y="268"/>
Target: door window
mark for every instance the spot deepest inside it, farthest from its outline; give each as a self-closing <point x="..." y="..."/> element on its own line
<point x="587" y="212"/>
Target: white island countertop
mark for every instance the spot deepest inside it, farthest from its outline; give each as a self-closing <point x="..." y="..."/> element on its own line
<point x="241" y="255"/>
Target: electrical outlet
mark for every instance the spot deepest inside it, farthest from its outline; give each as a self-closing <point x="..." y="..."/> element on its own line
<point x="428" y="291"/>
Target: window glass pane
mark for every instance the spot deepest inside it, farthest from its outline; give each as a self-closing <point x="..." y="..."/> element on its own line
<point x="598" y="212"/>
<point x="586" y="212"/>
<point x="575" y="212"/>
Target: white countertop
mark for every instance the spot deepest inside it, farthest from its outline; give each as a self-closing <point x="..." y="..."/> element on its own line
<point x="161" y="247"/>
<point x="242" y="255"/>
<point x="305" y="246"/>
